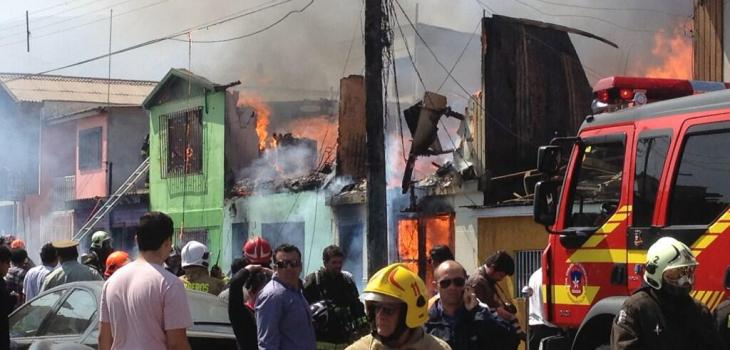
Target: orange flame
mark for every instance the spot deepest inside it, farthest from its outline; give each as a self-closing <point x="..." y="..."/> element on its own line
<point x="322" y="129"/>
<point x="263" y="112"/>
<point x="674" y="51"/>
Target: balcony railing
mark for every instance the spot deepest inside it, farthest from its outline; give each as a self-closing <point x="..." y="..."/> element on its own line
<point x="64" y="189"/>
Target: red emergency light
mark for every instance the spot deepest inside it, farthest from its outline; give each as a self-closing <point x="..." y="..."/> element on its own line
<point x="618" y="92"/>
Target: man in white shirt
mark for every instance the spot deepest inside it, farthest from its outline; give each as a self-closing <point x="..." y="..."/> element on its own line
<point x="35" y="276"/>
<point x="539" y="327"/>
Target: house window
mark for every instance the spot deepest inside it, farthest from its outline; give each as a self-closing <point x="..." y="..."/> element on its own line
<point x="182" y="142"/>
<point x="90" y="148"/>
<point x="193" y="234"/>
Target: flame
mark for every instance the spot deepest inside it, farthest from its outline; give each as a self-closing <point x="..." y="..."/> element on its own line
<point x="263" y="112"/>
<point x="439" y="229"/>
<point x="674" y="51"/>
<point x="322" y="129"/>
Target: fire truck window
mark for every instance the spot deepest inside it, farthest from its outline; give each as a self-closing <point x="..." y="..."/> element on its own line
<point x="651" y="152"/>
<point x="597" y="184"/>
<point x="182" y="137"/>
<point x="701" y="191"/>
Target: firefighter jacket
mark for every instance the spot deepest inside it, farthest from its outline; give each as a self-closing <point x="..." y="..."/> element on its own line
<point x="650" y="319"/>
<point x="471" y="329"/>
<point x="198" y="278"/>
<point x="722" y="316"/>
<point x="347" y="318"/>
<point x="419" y="341"/>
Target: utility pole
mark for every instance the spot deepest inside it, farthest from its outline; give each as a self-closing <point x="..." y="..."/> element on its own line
<point x="27" y="33"/>
<point x="377" y="229"/>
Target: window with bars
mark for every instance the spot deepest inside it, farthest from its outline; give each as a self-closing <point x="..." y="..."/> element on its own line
<point x="193" y="234"/>
<point x="182" y="142"/>
<point x="526" y="262"/>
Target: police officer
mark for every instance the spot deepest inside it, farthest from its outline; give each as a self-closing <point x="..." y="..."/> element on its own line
<point x="395" y="299"/>
<point x="195" y="262"/>
<point x="662" y="314"/>
<point x="338" y="313"/>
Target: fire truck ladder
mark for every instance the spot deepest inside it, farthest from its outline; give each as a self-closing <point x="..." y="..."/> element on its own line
<point x="112" y="201"/>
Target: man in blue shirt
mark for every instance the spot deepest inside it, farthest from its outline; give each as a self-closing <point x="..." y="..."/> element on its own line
<point x="283" y="318"/>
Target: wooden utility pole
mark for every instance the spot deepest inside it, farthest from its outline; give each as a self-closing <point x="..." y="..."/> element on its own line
<point x="27" y="33"/>
<point x="377" y="230"/>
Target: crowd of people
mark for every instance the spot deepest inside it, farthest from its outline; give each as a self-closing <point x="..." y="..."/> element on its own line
<point x="144" y="304"/>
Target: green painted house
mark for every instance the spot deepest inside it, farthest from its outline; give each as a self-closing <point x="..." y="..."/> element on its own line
<point x="188" y="139"/>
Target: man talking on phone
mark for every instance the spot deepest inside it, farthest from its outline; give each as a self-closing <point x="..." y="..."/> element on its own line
<point x="458" y="318"/>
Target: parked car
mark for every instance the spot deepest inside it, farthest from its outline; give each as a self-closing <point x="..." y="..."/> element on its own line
<point x="70" y="313"/>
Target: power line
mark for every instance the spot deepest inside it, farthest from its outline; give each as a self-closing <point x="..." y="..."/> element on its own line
<point x="460" y="56"/>
<point x="599" y="19"/>
<point x="22" y="30"/>
<point x="256" y="32"/>
<point x="21" y="19"/>
<point x="102" y="19"/>
<point x="143" y="44"/>
<point x="670" y="14"/>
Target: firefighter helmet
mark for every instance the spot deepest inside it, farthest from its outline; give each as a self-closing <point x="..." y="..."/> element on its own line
<point x="665" y="254"/>
<point x="396" y="282"/>
<point x="195" y="253"/>
<point x="258" y="251"/>
<point x="115" y="261"/>
<point x="17" y="244"/>
<point x="98" y="239"/>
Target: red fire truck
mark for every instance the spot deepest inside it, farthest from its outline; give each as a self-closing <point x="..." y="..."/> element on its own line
<point x="652" y="161"/>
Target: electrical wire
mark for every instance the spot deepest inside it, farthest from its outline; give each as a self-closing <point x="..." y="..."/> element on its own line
<point x="460" y="56"/>
<point x="595" y="8"/>
<point x="255" y="32"/>
<point x="146" y="43"/>
<point x="21" y="19"/>
<point x="594" y="18"/>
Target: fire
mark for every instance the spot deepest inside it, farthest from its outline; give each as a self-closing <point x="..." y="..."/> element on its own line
<point x="263" y="112"/>
<point x="674" y="51"/>
<point x="322" y="129"/>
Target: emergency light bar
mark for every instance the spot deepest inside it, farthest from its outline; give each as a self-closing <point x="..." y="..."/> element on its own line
<point x="614" y="93"/>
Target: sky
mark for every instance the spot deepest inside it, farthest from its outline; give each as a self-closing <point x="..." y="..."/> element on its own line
<point x="306" y="51"/>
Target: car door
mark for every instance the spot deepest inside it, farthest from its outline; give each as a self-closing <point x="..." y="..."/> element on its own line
<point x="26" y="323"/>
<point x="74" y="318"/>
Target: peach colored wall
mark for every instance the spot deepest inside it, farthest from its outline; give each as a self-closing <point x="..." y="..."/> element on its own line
<point x="92" y="183"/>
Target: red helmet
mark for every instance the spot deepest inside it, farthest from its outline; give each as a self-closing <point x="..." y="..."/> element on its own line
<point x="115" y="261"/>
<point x="258" y="251"/>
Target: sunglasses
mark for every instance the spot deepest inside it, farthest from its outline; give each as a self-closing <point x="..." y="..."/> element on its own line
<point x="458" y="282"/>
<point x="282" y="264"/>
<point x="387" y="310"/>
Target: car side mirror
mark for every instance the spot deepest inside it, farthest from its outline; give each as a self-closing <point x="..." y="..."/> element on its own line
<point x="548" y="159"/>
<point x="545" y="204"/>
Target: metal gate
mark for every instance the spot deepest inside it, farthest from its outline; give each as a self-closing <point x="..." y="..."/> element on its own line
<point x="526" y="262"/>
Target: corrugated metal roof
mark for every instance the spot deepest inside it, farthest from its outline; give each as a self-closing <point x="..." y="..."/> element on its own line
<point x="37" y="88"/>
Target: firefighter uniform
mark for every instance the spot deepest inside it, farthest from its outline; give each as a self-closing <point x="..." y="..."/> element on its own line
<point x="346" y="319"/>
<point x="649" y="319"/>
<point x="722" y="316"/>
<point x="198" y="278"/>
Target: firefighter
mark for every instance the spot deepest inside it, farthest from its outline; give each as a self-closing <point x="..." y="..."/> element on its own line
<point x="101" y="246"/>
<point x="339" y="314"/>
<point x="395" y="300"/>
<point x="195" y="262"/>
<point x="662" y="314"/>
<point x="258" y="251"/>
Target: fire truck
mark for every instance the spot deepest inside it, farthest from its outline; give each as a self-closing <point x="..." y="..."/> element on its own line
<point x="653" y="160"/>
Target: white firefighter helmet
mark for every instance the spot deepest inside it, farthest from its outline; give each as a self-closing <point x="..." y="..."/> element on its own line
<point x="195" y="253"/>
<point x="665" y="254"/>
<point x="98" y="239"/>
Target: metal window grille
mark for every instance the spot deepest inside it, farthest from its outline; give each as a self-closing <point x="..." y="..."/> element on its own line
<point x="181" y="136"/>
<point x="194" y="234"/>
<point x="526" y="262"/>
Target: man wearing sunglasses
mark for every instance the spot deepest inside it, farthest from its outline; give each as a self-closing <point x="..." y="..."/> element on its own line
<point x="459" y="319"/>
<point x="283" y="319"/>
<point x="662" y="314"/>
